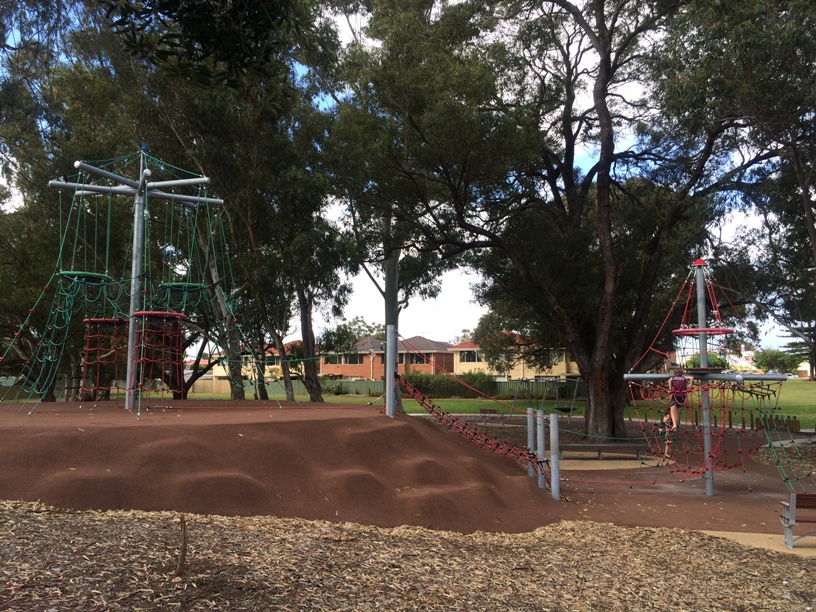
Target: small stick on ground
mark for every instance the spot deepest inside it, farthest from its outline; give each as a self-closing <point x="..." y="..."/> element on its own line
<point x="183" y="552"/>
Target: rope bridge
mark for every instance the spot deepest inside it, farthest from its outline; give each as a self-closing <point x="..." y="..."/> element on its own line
<point x="475" y="435"/>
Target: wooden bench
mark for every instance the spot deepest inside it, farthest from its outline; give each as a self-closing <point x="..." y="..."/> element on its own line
<point x="608" y="447"/>
<point x="491" y="413"/>
<point x="789" y="518"/>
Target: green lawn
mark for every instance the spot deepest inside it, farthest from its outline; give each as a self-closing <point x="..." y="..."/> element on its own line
<point x="455" y="405"/>
<point x="798" y="398"/>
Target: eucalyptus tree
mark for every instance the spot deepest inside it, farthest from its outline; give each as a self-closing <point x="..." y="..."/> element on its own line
<point x="768" y="263"/>
<point x="59" y="101"/>
<point x="756" y="61"/>
<point x="367" y="155"/>
<point x="530" y="134"/>
<point x="252" y="123"/>
<point x="90" y="97"/>
<point x="213" y="43"/>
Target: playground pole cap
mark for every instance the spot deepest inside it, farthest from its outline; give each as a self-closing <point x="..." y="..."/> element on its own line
<point x="699" y="262"/>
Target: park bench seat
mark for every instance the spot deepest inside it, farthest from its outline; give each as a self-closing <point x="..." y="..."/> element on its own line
<point x="791" y="515"/>
<point x="491" y="413"/>
<point x="605" y="447"/>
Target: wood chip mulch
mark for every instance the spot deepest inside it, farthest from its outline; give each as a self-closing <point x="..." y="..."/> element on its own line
<point x="53" y="560"/>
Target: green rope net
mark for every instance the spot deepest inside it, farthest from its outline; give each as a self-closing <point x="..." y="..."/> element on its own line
<point x="185" y="286"/>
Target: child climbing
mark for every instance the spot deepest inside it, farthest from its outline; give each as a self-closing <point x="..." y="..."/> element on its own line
<point x="678" y="391"/>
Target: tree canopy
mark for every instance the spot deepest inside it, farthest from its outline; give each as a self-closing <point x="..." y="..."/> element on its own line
<point x="578" y="155"/>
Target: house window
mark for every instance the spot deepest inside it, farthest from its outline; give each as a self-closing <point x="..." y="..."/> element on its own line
<point x="353" y="359"/>
<point x="400" y="358"/>
<point x="417" y="358"/>
<point x="331" y="359"/>
<point x="470" y="357"/>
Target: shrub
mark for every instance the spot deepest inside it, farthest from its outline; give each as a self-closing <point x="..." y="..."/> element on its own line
<point x="441" y="385"/>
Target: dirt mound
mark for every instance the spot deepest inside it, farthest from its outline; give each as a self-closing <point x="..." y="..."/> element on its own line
<point x="343" y="464"/>
<point x="315" y="463"/>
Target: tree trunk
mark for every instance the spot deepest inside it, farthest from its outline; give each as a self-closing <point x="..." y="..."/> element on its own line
<point x="277" y="339"/>
<point x="602" y="416"/>
<point x="287" y="375"/>
<point x="48" y="395"/>
<point x="226" y="330"/>
<point x="260" y="384"/>
<point x="75" y="382"/>
<point x="237" y="390"/>
<point x="260" y="367"/>
<point x="605" y="404"/>
<point x="310" y="371"/>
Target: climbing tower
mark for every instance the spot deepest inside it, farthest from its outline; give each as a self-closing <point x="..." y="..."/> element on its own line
<point x="142" y="289"/>
<point x="728" y="414"/>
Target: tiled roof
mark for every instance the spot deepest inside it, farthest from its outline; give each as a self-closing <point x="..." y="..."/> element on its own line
<point x="418" y="343"/>
<point x="464" y="346"/>
<point x="370" y="344"/>
<point x="409" y="345"/>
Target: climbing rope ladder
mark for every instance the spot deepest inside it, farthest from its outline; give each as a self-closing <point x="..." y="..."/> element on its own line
<point x="785" y="453"/>
<point x="537" y="465"/>
<point x="81" y="283"/>
<point x="103" y="364"/>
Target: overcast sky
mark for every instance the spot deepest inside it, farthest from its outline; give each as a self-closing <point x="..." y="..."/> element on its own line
<point x="445" y="317"/>
<point x="440" y="319"/>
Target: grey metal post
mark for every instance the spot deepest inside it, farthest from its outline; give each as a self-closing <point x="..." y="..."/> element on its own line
<point x="390" y="368"/>
<point x="136" y="271"/>
<point x="705" y="397"/>
<point x="530" y="437"/>
<point x="541" y="451"/>
<point x="555" y="459"/>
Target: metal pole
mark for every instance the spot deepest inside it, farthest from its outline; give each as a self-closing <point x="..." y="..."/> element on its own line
<point x="390" y="368"/>
<point x="705" y="398"/>
<point x="530" y="437"/>
<point x="136" y="271"/>
<point x="555" y="459"/>
<point x="542" y="450"/>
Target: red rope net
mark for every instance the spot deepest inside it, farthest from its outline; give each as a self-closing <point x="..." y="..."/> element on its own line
<point x="480" y="438"/>
<point x="160" y="344"/>
<point x="709" y="355"/>
<point x="736" y="428"/>
<point x="104" y="359"/>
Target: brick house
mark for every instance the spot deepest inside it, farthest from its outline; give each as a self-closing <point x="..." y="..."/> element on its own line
<point x="467" y="357"/>
<point x="367" y="360"/>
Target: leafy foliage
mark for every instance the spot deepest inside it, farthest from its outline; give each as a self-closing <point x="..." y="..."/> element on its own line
<point x="345" y="335"/>
<point x="715" y="361"/>
<point x="215" y="43"/>
<point x="439" y="385"/>
<point x="776" y="360"/>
